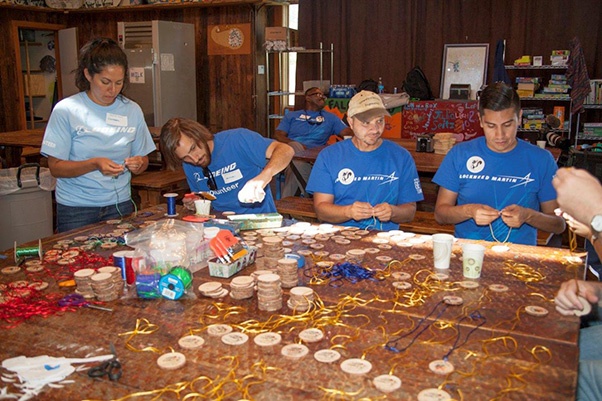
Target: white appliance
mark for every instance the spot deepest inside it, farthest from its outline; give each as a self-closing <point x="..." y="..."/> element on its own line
<point x="162" y="70"/>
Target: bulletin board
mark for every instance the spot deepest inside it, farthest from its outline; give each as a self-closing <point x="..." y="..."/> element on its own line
<point x="464" y="64"/>
<point x="228" y="39"/>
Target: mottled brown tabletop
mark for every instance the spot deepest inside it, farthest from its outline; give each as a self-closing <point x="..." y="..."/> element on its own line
<point x="497" y="349"/>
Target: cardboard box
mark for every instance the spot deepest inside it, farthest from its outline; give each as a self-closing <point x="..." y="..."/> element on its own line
<point x="217" y="269"/>
<point x="288" y="35"/>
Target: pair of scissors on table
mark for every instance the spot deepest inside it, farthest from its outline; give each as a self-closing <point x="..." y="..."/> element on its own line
<point x="111" y="368"/>
<point x="78" y="300"/>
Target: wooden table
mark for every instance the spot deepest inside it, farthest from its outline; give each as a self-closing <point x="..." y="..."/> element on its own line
<point x="15" y="141"/>
<point x="151" y="185"/>
<point x="359" y="317"/>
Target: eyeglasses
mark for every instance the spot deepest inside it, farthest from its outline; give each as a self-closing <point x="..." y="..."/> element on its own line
<point x="319" y="94"/>
<point x="211" y="184"/>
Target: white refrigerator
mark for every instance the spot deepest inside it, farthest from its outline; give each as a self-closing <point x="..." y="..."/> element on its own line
<point x="162" y="69"/>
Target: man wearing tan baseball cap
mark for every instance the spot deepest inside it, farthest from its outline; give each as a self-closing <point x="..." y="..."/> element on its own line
<point x="365" y="182"/>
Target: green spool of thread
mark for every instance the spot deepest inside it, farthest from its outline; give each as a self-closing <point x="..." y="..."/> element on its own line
<point x="183" y="274"/>
<point x="27" y="252"/>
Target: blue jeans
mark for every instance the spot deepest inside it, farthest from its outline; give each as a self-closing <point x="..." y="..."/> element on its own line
<point x="589" y="383"/>
<point x="71" y="217"/>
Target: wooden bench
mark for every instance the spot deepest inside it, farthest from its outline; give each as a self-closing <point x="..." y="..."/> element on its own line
<point x="151" y="185"/>
<point x="423" y="223"/>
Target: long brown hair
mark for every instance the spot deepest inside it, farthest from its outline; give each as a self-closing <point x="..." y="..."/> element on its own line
<point x="172" y="131"/>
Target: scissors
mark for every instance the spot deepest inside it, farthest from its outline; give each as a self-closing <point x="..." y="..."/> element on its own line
<point x="78" y="300"/>
<point x="111" y="368"/>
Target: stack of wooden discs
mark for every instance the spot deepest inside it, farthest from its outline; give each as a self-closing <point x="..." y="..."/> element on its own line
<point x="269" y="292"/>
<point x="287" y="270"/>
<point x="104" y="287"/>
<point x="82" y="280"/>
<point x="213" y="289"/>
<point x="443" y="142"/>
<point x="300" y="298"/>
<point x="355" y="256"/>
<point x="242" y="287"/>
<point x="272" y="251"/>
<point x="115" y="273"/>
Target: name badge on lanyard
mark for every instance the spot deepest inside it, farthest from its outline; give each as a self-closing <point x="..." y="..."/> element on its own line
<point x="116" y="119"/>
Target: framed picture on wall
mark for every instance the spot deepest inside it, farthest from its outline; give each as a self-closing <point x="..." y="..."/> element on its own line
<point x="464" y="64"/>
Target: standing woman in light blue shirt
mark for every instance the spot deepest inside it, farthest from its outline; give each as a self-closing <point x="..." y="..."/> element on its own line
<point x="95" y="140"/>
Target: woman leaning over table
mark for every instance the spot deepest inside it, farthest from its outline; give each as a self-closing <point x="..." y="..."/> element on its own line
<point x="95" y="140"/>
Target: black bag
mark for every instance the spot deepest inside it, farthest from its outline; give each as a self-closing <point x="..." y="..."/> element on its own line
<point x="368" y="85"/>
<point x="417" y="86"/>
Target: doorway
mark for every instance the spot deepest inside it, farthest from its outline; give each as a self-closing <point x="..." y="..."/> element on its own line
<point x="38" y="67"/>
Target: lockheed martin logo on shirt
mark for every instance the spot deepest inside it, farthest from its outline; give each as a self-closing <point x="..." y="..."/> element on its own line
<point x="476" y="164"/>
<point x="346" y="176"/>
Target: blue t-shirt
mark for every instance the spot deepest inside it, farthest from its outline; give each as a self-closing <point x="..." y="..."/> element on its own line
<point x="80" y="129"/>
<point x="238" y="156"/>
<point x="385" y="175"/>
<point x="302" y="126"/>
<point x="479" y="175"/>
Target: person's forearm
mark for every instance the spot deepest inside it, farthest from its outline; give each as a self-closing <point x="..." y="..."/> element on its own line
<point x="279" y="160"/>
<point x="447" y="214"/>
<point x="546" y="222"/>
<point x="70" y="169"/>
<point x="333" y="213"/>
<point x="403" y="213"/>
<point x="282" y="136"/>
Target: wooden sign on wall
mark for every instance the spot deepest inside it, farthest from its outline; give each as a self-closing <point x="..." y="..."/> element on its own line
<point x="229" y="39"/>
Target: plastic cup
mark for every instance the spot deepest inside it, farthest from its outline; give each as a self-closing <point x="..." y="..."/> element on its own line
<point x="541" y="144"/>
<point x="202" y="206"/>
<point x="442" y="248"/>
<point x="472" y="260"/>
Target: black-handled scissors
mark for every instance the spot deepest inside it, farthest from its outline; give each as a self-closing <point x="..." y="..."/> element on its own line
<point x="111" y="368"/>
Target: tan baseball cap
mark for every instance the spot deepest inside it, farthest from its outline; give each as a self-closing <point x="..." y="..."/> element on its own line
<point x="366" y="105"/>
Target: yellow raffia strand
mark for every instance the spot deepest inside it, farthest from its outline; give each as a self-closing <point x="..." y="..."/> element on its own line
<point x="523" y="272"/>
<point x="143" y="326"/>
<point x="333" y="394"/>
<point x="517" y="373"/>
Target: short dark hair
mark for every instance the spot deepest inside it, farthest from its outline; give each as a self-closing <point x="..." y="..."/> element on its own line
<point x="498" y="97"/>
<point x="172" y="132"/>
<point x="95" y="56"/>
<point x="311" y="89"/>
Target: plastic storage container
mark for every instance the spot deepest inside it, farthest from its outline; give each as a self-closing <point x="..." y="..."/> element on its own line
<point x="25" y="204"/>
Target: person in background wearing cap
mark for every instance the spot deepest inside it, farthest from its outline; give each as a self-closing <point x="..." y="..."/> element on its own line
<point x="365" y="182"/>
<point x="308" y="128"/>
<point x="498" y="188"/>
<point x="230" y="165"/>
<point x="580" y="201"/>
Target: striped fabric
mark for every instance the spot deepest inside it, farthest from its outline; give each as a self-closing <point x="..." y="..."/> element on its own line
<point x="577" y="76"/>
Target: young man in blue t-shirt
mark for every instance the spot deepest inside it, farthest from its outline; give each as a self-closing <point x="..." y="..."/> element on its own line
<point x="365" y="182"/>
<point x="498" y="188"/>
<point x="308" y="128"/>
<point x="230" y="165"/>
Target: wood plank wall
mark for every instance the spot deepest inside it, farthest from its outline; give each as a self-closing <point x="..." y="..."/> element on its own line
<point x="226" y="85"/>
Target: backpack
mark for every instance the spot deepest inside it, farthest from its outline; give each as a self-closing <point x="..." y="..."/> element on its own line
<point x="368" y="85"/>
<point x="417" y="86"/>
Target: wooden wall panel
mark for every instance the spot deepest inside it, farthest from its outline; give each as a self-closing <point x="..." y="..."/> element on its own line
<point x="225" y="84"/>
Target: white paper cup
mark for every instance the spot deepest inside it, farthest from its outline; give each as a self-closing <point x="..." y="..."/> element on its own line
<point x="202" y="206"/>
<point x="442" y="248"/>
<point x="472" y="260"/>
<point x="541" y="144"/>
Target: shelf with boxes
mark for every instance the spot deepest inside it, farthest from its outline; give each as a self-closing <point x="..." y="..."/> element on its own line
<point x="542" y="101"/>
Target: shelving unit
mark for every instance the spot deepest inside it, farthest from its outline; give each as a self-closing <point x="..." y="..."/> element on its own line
<point x="281" y="84"/>
<point x="546" y="98"/>
<point x="577" y="136"/>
